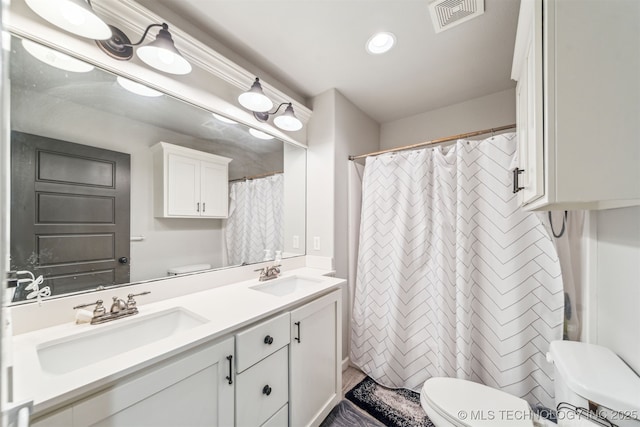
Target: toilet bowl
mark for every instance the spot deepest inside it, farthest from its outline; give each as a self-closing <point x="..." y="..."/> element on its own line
<point x="585" y="374"/>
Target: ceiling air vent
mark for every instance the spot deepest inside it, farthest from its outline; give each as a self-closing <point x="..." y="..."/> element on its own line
<point x="446" y="14"/>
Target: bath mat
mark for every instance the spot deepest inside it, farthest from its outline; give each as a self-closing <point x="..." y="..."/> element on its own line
<point x="394" y="408"/>
<point x="346" y="415"/>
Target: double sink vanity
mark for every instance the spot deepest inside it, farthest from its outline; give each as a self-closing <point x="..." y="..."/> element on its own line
<point x="253" y="353"/>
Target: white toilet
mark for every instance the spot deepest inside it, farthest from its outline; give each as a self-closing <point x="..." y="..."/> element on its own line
<point x="583" y="373"/>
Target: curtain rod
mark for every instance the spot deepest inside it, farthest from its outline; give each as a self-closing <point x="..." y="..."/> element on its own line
<point x="435" y="141"/>
<point x="249" y="178"/>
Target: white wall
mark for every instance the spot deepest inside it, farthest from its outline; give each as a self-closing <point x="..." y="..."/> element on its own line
<point x="355" y="133"/>
<point x="337" y="128"/>
<point x="498" y="109"/>
<point x="321" y="174"/>
<point x="617" y="289"/>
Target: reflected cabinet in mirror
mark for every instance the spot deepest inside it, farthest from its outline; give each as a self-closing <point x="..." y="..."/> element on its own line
<point x="113" y="182"/>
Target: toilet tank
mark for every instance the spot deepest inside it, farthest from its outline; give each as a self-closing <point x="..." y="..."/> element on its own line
<point x="588" y="372"/>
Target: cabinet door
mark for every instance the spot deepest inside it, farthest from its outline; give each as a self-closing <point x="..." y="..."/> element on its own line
<point x="530" y="109"/>
<point x="190" y="390"/>
<point x="183" y="186"/>
<point x="315" y="381"/>
<point x="63" y="418"/>
<point x="214" y="190"/>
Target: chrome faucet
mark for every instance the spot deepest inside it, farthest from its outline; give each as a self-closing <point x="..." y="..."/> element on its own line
<point x="269" y="272"/>
<point x="119" y="308"/>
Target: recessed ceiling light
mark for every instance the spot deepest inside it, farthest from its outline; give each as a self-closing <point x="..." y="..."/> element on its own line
<point x="55" y="58"/>
<point x="260" y="135"/>
<point x="224" y="119"/>
<point x="380" y="43"/>
<point x="137" y="88"/>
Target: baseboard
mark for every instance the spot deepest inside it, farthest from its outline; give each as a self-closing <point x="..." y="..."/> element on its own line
<point x="345" y="363"/>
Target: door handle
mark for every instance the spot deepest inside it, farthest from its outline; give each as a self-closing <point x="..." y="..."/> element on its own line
<point x="298" y="337"/>
<point x="204" y="207"/>
<point x="516" y="185"/>
<point x="230" y="377"/>
<point x="198" y="207"/>
<point x="123" y="260"/>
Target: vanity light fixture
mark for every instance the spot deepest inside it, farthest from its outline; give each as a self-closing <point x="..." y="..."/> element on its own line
<point x="55" y="58"/>
<point x="77" y="17"/>
<point x="259" y="134"/>
<point x="160" y="54"/>
<point x="74" y="16"/>
<point x="255" y="100"/>
<point x="137" y="88"/>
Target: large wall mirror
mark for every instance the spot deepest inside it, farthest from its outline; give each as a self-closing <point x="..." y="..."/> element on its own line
<point x="85" y="176"/>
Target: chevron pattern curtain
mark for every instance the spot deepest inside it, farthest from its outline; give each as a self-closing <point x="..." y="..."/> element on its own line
<point x="453" y="278"/>
<point x="255" y="223"/>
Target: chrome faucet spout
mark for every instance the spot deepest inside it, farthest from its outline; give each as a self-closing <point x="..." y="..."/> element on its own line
<point x="269" y="272"/>
<point x="119" y="308"/>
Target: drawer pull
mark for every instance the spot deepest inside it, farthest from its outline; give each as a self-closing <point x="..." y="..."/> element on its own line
<point x="268" y="340"/>
<point x="266" y="390"/>
<point x="298" y="337"/>
<point x="230" y="377"/>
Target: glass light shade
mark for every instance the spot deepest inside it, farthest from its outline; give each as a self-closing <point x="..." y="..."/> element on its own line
<point x="55" y="59"/>
<point x="380" y="43"/>
<point x="137" y="88"/>
<point x="288" y="120"/>
<point x="259" y="134"/>
<point x="224" y="119"/>
<point x="74" y="16"/>
<point x="254" y="99"/>
<point x="162" y="55"/>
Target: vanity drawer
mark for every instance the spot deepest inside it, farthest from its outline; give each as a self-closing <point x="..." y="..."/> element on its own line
<point x="260" y="341"/>
<point x="262" y="389"/>
<point x="280" y="419"/>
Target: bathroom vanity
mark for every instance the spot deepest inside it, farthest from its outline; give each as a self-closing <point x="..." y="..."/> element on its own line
<point x="247" y="354"/>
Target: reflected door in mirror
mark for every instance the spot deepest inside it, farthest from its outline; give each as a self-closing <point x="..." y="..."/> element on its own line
<point x="70" y="208"/>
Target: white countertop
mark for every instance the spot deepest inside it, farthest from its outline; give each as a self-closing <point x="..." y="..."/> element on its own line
<point x="225" y="309"/>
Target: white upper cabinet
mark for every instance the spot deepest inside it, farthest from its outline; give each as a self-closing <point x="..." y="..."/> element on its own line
<point x="190" y="183"/>
<point x="577" y="65"/>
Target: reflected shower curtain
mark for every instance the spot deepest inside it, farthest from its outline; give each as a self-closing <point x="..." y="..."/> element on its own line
<point x="255" y="223"/>
<point x="453" y="278"/>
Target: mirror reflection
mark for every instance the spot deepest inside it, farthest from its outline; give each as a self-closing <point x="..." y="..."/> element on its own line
<point x="113" y="182"/>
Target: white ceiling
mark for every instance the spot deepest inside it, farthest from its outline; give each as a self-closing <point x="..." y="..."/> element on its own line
<point x="315" y="45"/>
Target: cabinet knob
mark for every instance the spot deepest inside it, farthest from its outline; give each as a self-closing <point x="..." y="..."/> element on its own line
<point x="268" y="340"/>
<point x="266" y="390"/>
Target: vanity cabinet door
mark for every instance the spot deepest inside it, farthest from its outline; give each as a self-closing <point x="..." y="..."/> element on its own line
<point x="63" y="418"/>
<point x="189" y="390"/>
<point x="214" y="190"/>
<point x="315" y="381"/>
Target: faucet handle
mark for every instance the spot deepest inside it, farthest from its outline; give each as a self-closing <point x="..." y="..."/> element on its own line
<point x="98" y="311"/>
<point x="131" y="302"/>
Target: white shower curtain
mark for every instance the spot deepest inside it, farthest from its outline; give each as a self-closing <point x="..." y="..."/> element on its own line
<point x="453" y="278"/>
<point x="255" y="223"/>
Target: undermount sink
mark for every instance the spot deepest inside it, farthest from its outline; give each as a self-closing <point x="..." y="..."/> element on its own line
<point x="286" y="285"/>
<point x="70" y="353"/>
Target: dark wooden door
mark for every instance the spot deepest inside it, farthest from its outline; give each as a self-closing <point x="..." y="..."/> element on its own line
<point x="70" y="210"/>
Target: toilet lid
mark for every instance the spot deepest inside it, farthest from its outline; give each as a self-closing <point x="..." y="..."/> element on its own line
<point x="466" y="403"/>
